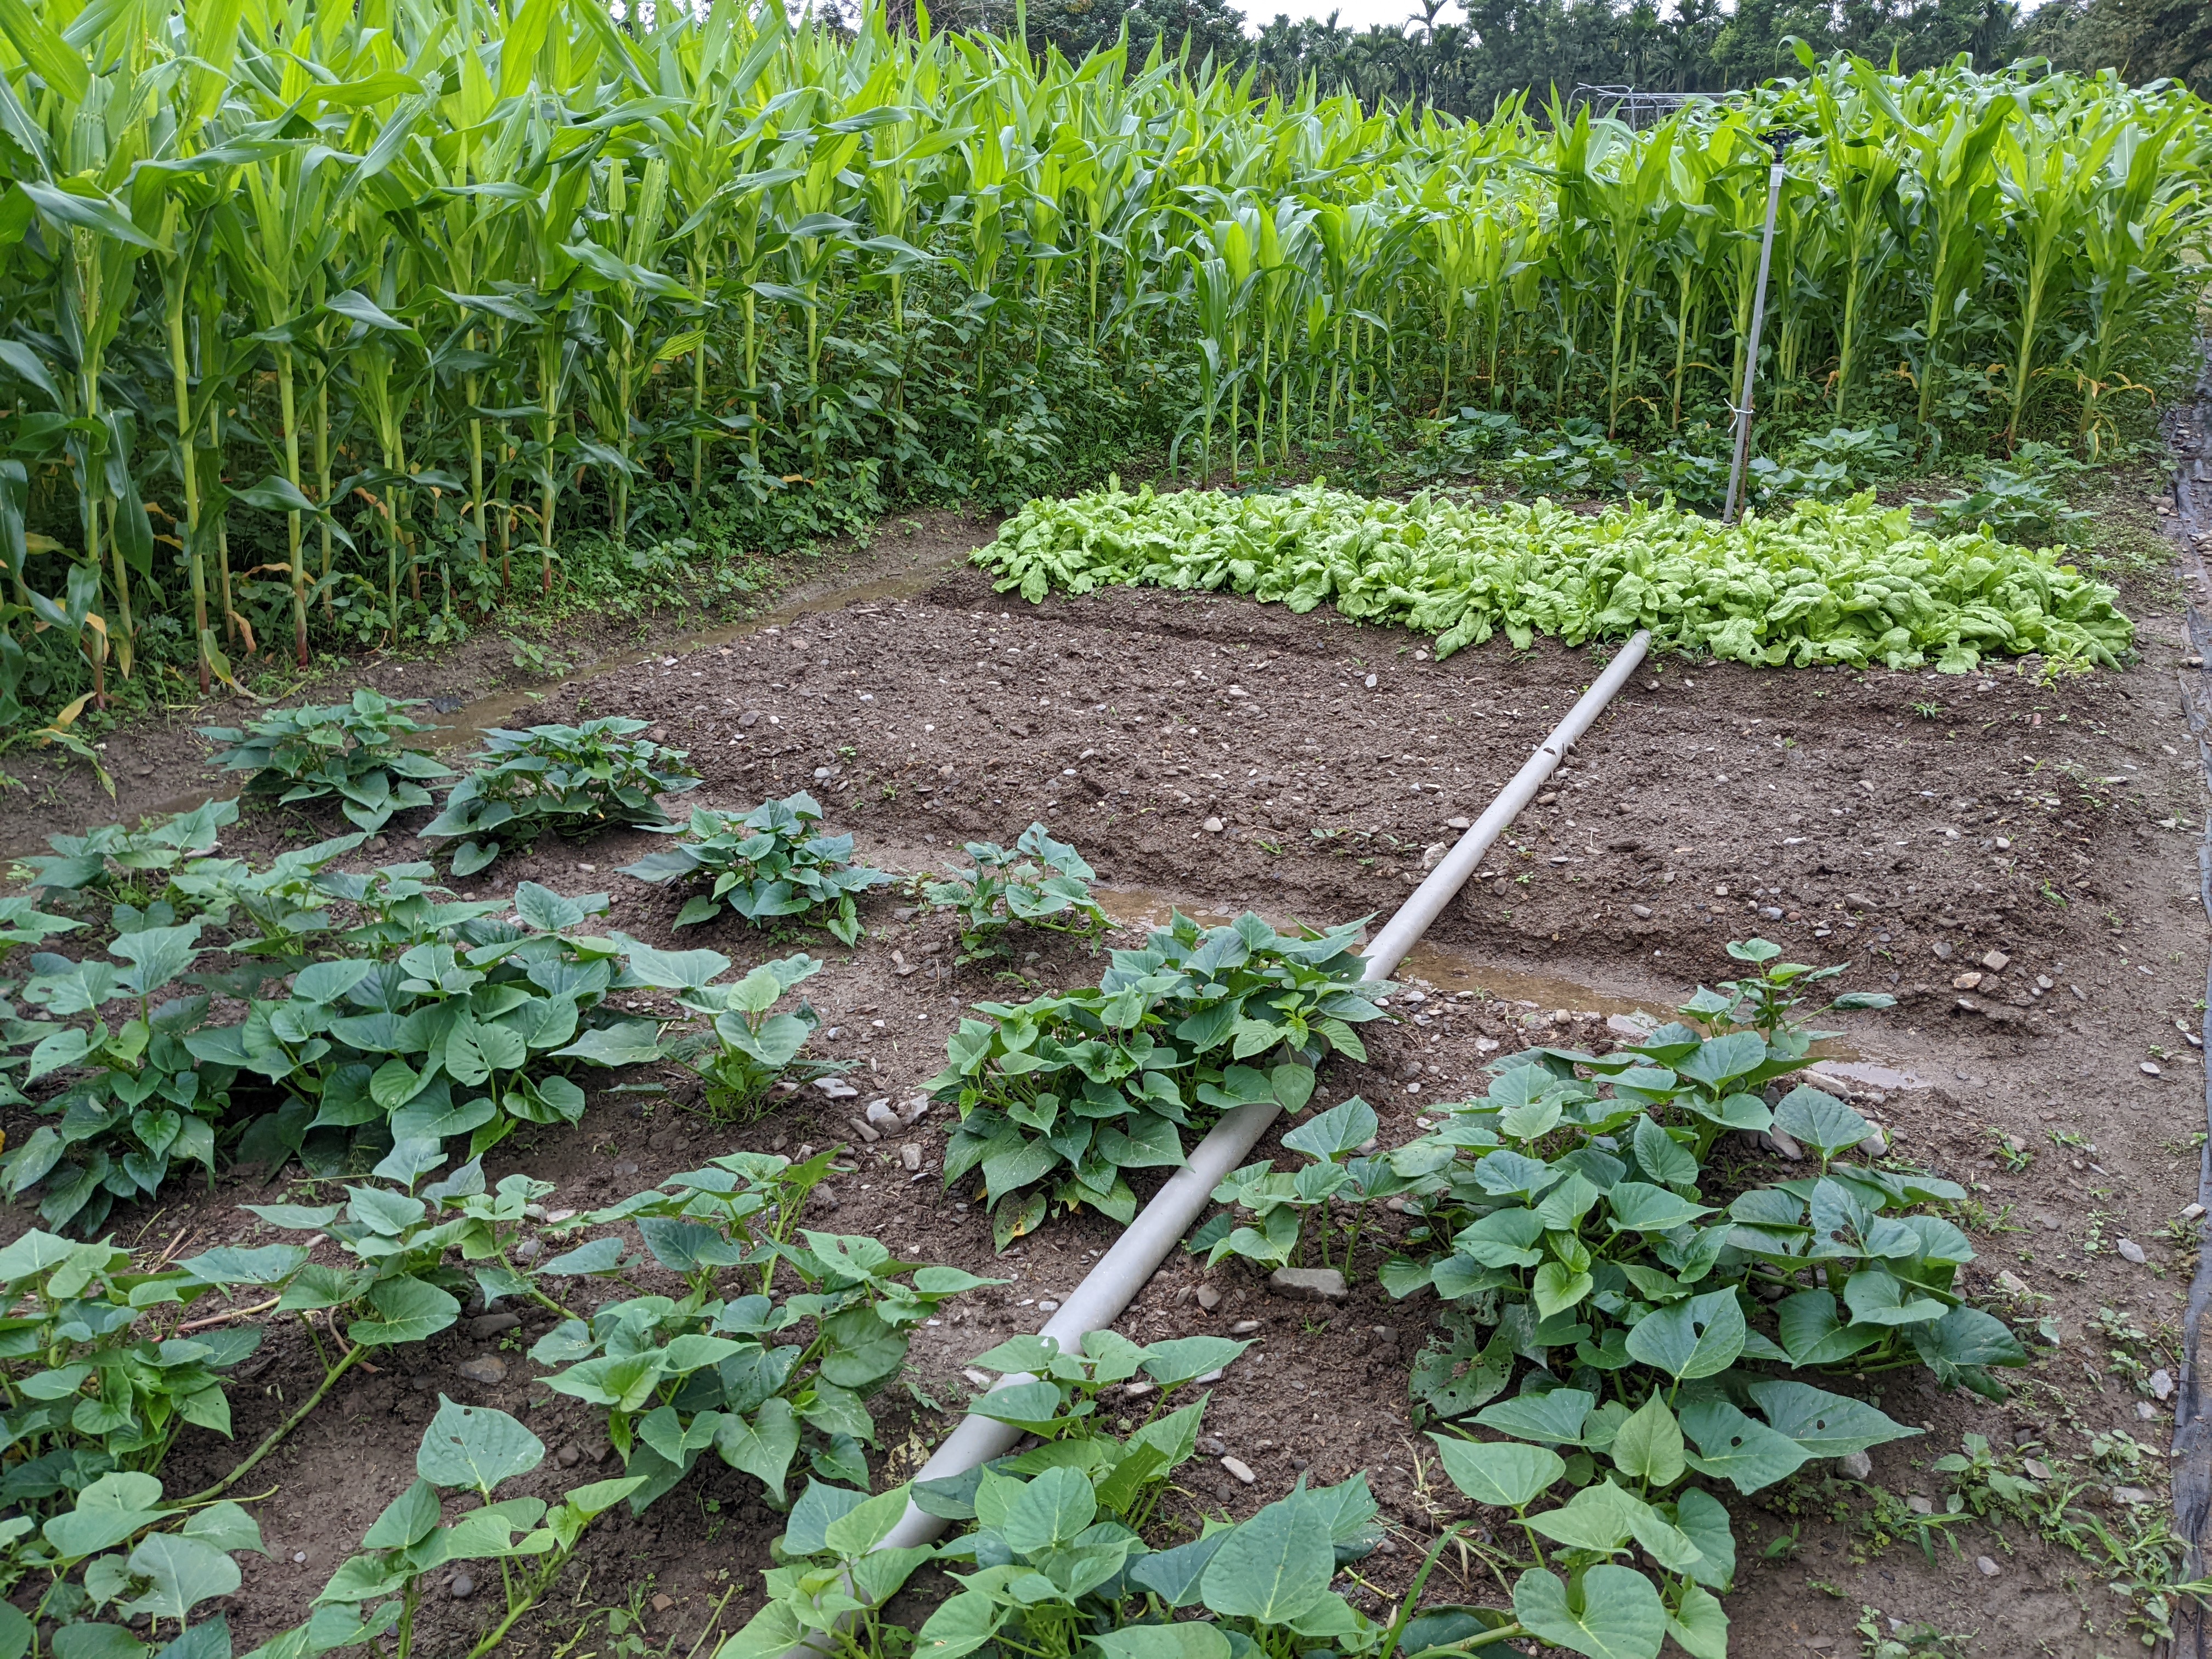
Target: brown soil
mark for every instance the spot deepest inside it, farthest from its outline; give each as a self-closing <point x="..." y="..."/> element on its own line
<point x="158" y="761"/>
<point x="1221" y="754"/>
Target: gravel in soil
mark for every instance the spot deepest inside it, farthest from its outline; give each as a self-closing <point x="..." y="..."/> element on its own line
<point x="2010" y="857"/>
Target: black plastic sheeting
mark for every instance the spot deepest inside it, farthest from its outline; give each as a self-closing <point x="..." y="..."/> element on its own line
<point x="2192" y="1427"/>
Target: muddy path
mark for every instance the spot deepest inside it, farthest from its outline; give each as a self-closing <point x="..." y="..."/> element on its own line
<point x="2015" y="859"/>
<point x="158" y="761"/>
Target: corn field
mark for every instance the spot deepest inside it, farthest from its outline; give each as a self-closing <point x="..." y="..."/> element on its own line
<point x="357" y="321"/>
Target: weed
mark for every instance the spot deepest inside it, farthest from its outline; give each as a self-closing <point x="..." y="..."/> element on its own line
<point x="536" y="660"/>
<point x="2012" y="1153"/>
<point x="1894" y="1638"/>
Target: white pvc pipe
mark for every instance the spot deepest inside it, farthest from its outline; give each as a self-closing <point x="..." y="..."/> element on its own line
<point x="1388" y="948"/>
<point x="1113" y="1284"/>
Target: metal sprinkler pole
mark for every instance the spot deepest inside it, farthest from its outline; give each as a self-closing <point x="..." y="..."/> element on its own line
<point x="1781" y="142"/>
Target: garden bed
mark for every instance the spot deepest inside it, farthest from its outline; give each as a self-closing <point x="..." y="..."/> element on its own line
<point x="1220" y="754"/>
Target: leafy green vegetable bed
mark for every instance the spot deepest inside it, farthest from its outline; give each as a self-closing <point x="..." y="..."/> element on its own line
<point x="1847" y="582"/>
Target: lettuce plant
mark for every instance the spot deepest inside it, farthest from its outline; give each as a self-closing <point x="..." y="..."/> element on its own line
<point x="1844" y="582"/>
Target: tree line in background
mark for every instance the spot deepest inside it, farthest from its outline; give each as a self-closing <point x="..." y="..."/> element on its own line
<point x="1468" y="56"/>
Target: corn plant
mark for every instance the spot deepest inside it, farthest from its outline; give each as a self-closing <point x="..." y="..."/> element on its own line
<point x="288" y="364"/>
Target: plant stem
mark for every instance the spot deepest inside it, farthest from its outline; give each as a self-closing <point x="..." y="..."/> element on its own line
<point x="405" y="1637"/>
<point x="1413" y="1596"/>
<point x="269" y="1443"/>
<point x="1482" y="1639"/>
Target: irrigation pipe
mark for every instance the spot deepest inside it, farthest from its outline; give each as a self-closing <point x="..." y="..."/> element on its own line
<point x="2192" y="1422"/>
<point x="1113" y="1284"/>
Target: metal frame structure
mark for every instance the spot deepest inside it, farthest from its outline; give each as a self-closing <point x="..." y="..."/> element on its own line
<point x="1638" y="108"/>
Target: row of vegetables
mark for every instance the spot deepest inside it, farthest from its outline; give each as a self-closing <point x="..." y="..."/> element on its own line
<point x="1848" y="582"/>
<point x="1628" y="1328"/>
<point x="349" y="324"/>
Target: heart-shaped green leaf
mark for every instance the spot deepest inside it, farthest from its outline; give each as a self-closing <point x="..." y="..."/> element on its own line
<point x="1700" y="1337"/>
<point x="475" y="1446"/>
<point x="1619" y="1616"/>
<point x="1503" y="1474"/>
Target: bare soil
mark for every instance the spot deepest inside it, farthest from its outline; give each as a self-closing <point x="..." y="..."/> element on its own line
<point x="2015" y="859"/>
<point x="157" y="761"/>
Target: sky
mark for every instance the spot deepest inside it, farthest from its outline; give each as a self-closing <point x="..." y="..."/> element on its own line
<point x="1351" y="14"/>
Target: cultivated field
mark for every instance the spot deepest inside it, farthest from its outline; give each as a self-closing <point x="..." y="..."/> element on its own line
<point x="500" y="1154"/>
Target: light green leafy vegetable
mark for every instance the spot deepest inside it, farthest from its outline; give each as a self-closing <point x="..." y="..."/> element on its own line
<point x="1829" y="582"/>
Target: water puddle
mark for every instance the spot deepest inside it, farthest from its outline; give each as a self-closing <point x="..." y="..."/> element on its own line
<point x="1444" y="969"/>
<point x="1438" y="968"/>
<point x="1873" y="1076"/>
